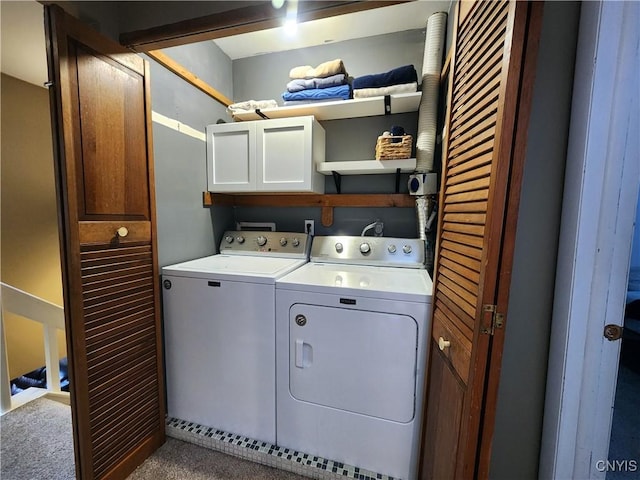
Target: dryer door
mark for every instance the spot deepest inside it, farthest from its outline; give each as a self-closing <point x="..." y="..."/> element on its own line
<point x="353" y="360"/>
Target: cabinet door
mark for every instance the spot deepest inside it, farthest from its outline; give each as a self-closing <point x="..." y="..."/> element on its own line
<point x="285" y="155"/>
<point x="231" y="157"/>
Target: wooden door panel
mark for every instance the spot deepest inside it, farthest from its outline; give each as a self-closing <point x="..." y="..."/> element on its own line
<point x="480" y="37"/>
<point x="479" y="168"/>
<point x="459" y="351"/>
<point x="104" y="168"/>
<point x="443" y="425"/>
<point x="112" y="126"/>
<point x="473" y="127"/>
<point x="105" y="232"/>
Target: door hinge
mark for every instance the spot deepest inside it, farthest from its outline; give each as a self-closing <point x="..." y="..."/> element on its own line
<point x="491" y="319"/>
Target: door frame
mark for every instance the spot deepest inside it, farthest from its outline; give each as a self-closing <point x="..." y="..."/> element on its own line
<point x="601" y="191"/>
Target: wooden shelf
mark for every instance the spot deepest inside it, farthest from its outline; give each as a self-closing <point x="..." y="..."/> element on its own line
<point x="326" y="202"/>
<point x="367" y="167"/>
<point x="340" y="109"/>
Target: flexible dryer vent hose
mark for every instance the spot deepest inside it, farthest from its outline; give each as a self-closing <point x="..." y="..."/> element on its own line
<point x="428" y="110"/>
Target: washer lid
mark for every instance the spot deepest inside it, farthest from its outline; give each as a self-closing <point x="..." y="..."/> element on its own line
<point x="235" y="267"/>
<point x="391" y="283"/>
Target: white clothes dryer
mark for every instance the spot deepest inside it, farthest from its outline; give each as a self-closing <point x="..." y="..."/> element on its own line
<point x="351" y="331"/>
<point x="219" y="332"/>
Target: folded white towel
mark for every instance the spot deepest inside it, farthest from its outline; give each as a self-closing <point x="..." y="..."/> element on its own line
<point x="381" y="91"/>
<point x="250" y="105"/>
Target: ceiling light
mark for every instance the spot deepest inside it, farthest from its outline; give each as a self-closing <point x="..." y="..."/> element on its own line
<point x="291" y="18"/>
<point x="290" y="26"/>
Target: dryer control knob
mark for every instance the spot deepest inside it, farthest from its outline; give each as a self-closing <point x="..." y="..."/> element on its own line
<point x="240" y="239"/>
<point x="295" y="242"/>
<point x="365" y="248"/>
<point x="339" y="247"/>
<point x="229" y="239"/>
<point x="407" y="249"/>
<point x="262" y="240"/>
<point x="283" y="241"/>
<point x="391" y="248"/>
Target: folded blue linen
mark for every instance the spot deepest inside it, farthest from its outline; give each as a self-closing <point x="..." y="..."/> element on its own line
<point x="396" y="76"/>
<point x="340" y="91"/>
<point x="300" y="84"/>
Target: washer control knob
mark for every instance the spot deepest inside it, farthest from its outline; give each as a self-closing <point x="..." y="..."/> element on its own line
<point x="407" y="249"/>
<point x="391" y="248"/>
<point x="262" y="240"/>
<point x="365" y="248"/>
<point x="295" y="242"/>
<point x="240" y="239"/>
<point x="339" y="247"/>
<point x="283" y="241"/>
<point x="229" y="239"/>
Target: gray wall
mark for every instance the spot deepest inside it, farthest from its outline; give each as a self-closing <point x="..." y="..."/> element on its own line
<point x="186" y="229"/>
<point x="265" y="77"/>
<point x="516" y="442"/>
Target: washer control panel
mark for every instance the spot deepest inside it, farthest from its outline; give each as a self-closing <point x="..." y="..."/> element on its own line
<point x="382" y="251"/>
<point x="277" y="243"/>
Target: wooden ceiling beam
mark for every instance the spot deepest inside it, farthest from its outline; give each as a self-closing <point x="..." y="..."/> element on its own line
<point x="238" y="21"/>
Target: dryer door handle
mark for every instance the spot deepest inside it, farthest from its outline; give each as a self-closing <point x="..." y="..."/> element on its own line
<point x="304" y="354"/>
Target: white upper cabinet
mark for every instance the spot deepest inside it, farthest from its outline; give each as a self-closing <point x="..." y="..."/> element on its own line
<point x="288" y="152"/>
<point x="231" y="155"/>
<point x="266" y="156"/>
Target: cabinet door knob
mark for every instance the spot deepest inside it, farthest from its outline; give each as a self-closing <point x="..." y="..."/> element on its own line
<point x="442" y="343"/>
<point x="122" y="232"/>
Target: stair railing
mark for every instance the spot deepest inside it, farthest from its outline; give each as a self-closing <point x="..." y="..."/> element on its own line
<point x="50" y="315"/>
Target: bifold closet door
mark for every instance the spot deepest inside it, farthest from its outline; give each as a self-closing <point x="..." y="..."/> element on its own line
<point x="101" y="115"/>
<point x="494" y="45"/>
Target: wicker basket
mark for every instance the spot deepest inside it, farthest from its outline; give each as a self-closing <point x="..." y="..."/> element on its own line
<point x="387" y="150"/>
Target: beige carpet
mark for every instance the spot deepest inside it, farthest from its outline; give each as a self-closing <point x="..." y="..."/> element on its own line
<point x="178" y="460"/>
<point x="36" y="444"/>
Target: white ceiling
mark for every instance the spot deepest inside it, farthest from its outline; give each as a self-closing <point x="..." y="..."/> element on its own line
<point x="23" y="53"/>
<point x="394" y="18"/>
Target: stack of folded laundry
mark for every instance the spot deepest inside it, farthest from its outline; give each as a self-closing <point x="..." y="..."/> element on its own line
<point x="398" y="80"/>
<point x="327" y="81"/>
<point x="250" y="106"/>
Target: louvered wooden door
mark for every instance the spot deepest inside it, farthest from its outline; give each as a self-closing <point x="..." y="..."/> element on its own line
<point x="104" y="167"/>
<point x="486" y="106"/>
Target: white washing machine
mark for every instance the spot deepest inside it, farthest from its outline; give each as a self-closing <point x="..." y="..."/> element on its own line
<point x="219" y="330"/>
<point x="351" y="341"/>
